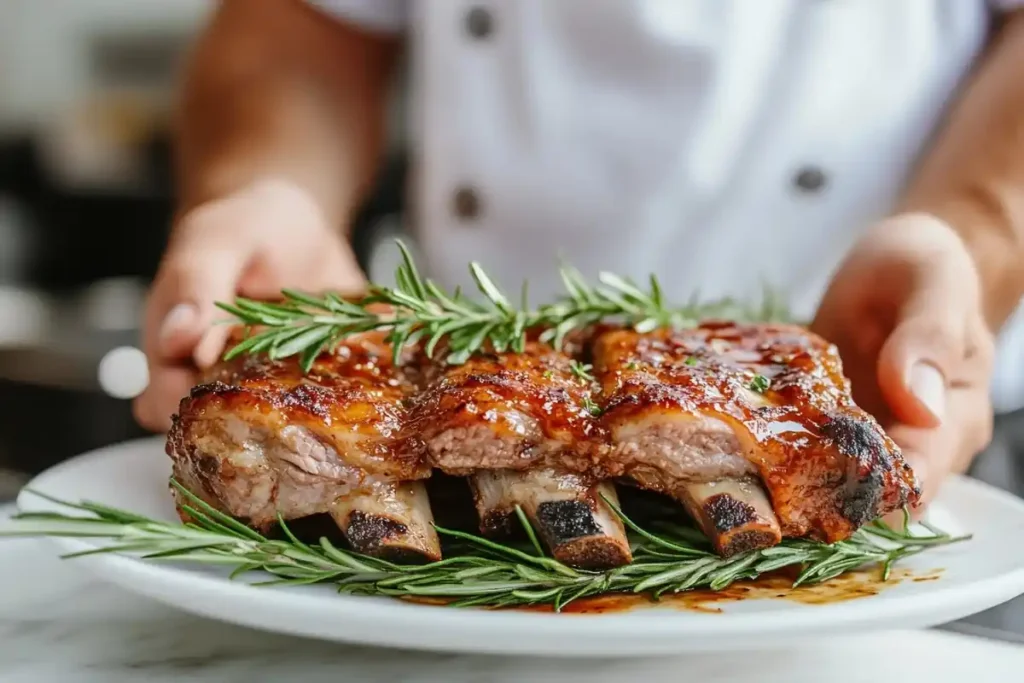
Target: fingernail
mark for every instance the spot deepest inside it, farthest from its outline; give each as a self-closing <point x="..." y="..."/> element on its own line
<point x="180" y="318"/>
<point x="929" y="386"/>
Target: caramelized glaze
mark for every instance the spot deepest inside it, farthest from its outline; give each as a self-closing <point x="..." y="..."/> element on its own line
<point x="507" y="411"/>
<point x="353" y="394"/>
<point x="827" y="465"/>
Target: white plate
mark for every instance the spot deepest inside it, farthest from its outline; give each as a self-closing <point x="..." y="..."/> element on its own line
<point x="978" y="574"/>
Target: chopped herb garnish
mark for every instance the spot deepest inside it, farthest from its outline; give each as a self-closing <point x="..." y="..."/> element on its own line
<point x="760" y="384"/>
<point x="591" y="407"/>
<point x="582" y="370"/>
<point x="690" y="360"/>
<point x="632" y="365"/>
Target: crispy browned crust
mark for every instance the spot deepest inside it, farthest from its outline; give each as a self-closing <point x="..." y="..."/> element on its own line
<point x="506" y="411"/>
<point x="354" y="392"/>
<point x="827" y="465"/>
<point x="260" y="437"/>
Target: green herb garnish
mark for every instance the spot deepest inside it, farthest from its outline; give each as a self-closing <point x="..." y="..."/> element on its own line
<point x="760" y="384"/>
<point x="591" y="407"/>
<point x="305" y="325"/>
<point x="476" y="571"/>
<point x="582" y="370"/>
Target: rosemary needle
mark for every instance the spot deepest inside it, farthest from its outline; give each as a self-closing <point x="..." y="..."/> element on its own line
<point x="671" y="560"/>
<point x="418" y="309"/>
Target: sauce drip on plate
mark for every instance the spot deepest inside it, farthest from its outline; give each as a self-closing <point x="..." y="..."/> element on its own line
<point x="851" y="586"/>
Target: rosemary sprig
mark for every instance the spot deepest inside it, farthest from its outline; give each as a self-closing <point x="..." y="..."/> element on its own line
<point x="419" y="309"/>
<point x="476" y="571"/>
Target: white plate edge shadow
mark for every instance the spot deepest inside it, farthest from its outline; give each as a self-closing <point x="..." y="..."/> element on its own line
<point x="392" y="623"/>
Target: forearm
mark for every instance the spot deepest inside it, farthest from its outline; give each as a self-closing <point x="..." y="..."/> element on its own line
<point x="973" y="178"/>
<point x="275" y="89"/>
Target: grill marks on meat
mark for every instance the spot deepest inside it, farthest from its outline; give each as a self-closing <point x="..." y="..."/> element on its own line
<point x="262" y="439"/>
<point x="680" y="414"/>
<point x="682" y="408"/>
<point x="519" y="425"/>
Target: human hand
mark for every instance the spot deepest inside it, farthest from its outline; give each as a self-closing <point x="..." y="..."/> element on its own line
<point x="905" y="311"/>
<point x="268" y="236"/>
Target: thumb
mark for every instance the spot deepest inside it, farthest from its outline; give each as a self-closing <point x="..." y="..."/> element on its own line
<point x="917" y="360"/>
<point x="196" y="275"/>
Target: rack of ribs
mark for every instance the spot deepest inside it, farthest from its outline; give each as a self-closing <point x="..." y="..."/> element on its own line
<point x="750" y="427"/>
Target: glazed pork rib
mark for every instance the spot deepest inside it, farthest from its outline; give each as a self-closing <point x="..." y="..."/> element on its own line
<point x="750" y="427"/>
<point x="726" y="417"/>
<point x="260" y="439"/>
<point x="519" y="426"/>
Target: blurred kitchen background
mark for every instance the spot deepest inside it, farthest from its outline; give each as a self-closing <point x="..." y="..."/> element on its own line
<point x="85" y="205"/>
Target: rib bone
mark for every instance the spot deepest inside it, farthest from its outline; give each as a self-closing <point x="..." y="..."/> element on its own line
<point x="391" y="521"/>
<point x="568" y="513"/>
<point x="734" y="513"/>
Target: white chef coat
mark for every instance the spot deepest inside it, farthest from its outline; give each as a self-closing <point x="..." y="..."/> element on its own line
<point x="721" y="144"/>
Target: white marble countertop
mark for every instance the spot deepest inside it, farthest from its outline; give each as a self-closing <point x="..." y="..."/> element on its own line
<point x="58" y="625"/>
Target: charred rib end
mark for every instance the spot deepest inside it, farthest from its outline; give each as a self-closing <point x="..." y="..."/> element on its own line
<point x="735" y="514"/>
<point x="497" y="523"/>
<point x="863" y="498"/>
<point x="570" y="516"/>
<point x="869" y="464"/>
<point x="391" y="521"/>
<point x="593" y="553"/>
<point x="585" y="533"/>
<point x="746" y="540"/>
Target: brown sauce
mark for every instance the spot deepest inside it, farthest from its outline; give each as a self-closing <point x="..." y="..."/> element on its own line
<point x="851" y="586"/>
